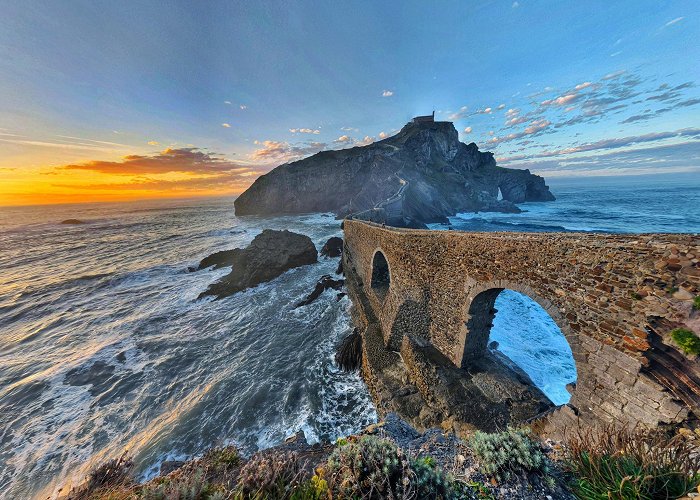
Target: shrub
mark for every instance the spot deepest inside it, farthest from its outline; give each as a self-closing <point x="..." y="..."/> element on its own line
<point x="271" y="475"/>
<point x="629" y="465"/>
<point x="686" y="340"/>
<point x="696" y="303"/>
<point x="374" y="468"/>
<point x="227" y="457"/>
<point x="191" y="486"/>
<point x="109" y="475"/>
<point x="503" y="454"/>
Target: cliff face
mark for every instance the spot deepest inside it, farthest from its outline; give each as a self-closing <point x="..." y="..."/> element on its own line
<point x="422" y="174"/>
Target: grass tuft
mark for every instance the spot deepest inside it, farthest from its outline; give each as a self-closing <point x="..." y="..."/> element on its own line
<point x="631" y="465"/>
<point x="686" y="340"/>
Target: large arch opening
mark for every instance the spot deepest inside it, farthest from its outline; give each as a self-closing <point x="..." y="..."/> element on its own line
<point x="381" y="277"/>
<point x="518" y="330"/>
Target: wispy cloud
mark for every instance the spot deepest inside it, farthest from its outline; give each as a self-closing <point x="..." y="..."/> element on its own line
<point x="387" y="93"/>
<point x="673" y="21"/>
<point x="682" y="157"/>
<point x="304" y="131"/>
<point x="613" y="143"/>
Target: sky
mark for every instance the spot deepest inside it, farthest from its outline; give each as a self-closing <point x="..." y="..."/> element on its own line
<point x="108" y="101"/>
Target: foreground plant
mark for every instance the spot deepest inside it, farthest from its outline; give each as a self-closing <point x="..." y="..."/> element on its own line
<point x="374" y="468"/>
<point x="504" y="454"/>
<point x="632" y="465"/>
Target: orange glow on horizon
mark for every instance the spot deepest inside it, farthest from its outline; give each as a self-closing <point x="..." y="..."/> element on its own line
<point x="39" y="183"/>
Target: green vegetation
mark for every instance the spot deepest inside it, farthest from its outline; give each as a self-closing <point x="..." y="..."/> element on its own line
<point x="504" y="454"/>
<point x="686" y="340"/>
<point x="624" y="465"/>
<point x="696" y="303"/>
<point x="375" y="468"/>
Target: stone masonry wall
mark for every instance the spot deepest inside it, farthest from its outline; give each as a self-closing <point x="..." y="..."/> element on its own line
<point x="601" y="290"/>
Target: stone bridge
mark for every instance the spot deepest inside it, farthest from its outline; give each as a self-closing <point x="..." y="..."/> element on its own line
<point x="425" y="303"/>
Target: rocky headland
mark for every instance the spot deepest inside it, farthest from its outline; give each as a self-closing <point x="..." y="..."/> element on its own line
<point x="420" y="175"/>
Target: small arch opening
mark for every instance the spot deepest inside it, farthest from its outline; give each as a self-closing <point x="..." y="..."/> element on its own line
<point x="512" y="325"/>
<point x="381" y="278"/>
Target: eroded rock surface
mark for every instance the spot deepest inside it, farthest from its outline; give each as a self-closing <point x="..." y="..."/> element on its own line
<point x="269" y="255"/>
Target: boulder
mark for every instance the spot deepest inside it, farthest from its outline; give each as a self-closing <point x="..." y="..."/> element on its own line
<point x="333" y="247"/>
<point x="269" y="255"/>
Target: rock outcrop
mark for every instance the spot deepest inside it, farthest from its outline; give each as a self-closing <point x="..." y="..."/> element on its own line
<point x="422" y="174"/>
<point x="217" y="260"/>
<point x="323" y="284"/>
<point x="269" y="255"/>
<point x="333" y="247"/>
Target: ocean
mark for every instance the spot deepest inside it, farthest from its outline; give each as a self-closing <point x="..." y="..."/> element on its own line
<point x="104" y="346"/>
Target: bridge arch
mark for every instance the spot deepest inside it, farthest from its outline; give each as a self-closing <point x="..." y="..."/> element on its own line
<point x="380" y="280"/>
<point x="481" y="312"/>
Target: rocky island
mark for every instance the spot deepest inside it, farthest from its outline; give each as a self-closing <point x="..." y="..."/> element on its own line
<point x="420" y="175"/>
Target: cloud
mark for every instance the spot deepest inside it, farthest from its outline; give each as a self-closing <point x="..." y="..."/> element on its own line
<point x="458" y="115"/>
<point x="65" y="142"/>
<point x="387" y="93"/>
<point x="614" y="143"/>
<point x="468" y="130"/>
<point x="648" y="114"/>
<point x="673" y="21"/>
<point x="184" y="160"/>
<point x="153" y="143"/>
<point x="367" y="140"/>
<point x="534" y="128"/>
<point x="278" y="151"/>
<point x="383" y="135"/>
<point x="683" y="157"/>
<point x="583" y="85"/>
<point x="349" y="129"/>
<point x="561" y="101"/>
<point x="304" y="131"/>
<point x="344" y="139"/>
<point x="227" y="102"/>
<point x="243" y="106"/>
<point x="501" y="106"/>
<point x="515" y="5"/>
<point x="615" y="74"/>
<point x="226" y="125"/>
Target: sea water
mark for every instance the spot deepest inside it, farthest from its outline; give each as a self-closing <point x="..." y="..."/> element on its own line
<point x="104" y="346"/>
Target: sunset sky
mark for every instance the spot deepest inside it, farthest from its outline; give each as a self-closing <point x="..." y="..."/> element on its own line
<point x="104" y="100"/>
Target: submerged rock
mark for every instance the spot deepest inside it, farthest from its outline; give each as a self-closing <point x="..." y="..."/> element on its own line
<point x="269" y="255"/>
<point x="422" y="174"/>
<point x="333" y="247"/>
<point x="323" y="284"/>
